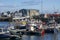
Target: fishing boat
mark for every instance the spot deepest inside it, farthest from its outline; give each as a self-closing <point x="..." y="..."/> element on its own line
<point x="18" y="28"/>
<point x="52" y="25"/>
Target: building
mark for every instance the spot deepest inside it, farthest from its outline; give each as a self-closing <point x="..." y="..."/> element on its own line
<point x="29" y="12"/>
<point x="26" y="13"/>
<point x="17" y="14"/>
<point x="33" y="12"/>
<point x="5" y="14"/>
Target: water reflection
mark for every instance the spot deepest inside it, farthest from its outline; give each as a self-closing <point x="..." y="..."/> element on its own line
<point x="31" y="37"/>
<point x="46" y="37"/>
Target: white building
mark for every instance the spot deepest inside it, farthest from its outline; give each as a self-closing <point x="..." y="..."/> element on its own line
<point x="17" y="15"/>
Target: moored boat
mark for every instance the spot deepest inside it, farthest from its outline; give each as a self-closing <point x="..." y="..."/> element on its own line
<point x="4" y="33"/>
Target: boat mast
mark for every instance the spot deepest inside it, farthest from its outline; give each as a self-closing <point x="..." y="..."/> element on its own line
<point x="41" y="6"/>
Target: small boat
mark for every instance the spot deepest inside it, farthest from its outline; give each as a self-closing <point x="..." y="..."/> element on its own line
<point x="49" y="30"/>
<point x="52" y="25"/>
<point x="4" y="33"/>
<point x="32" y="30"/>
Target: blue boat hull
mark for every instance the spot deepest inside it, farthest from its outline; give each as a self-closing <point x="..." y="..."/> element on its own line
<point x="49" y="30"/>
<point x="32" y="33"/>
<point x="4" y="36"/>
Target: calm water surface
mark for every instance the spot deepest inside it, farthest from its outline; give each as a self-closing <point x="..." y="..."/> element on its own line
<point x="46" y="37"/>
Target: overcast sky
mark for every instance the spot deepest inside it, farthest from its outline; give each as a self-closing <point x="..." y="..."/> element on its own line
<point x="12" y="5"/>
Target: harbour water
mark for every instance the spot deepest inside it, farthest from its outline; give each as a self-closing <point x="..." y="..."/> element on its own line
<point x="46" y="37"/>
<point x="4" y="24"/>
<point x="29" y="37"/>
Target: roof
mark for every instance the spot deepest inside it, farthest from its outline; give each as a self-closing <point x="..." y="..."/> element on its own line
<point x="21" y="17"/>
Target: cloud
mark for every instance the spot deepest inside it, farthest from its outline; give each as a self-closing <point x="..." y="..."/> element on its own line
<point x="31" y="2"/>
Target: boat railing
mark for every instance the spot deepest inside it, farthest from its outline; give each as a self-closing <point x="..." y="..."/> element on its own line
<point x="48" y="26"/>
<point x="3" y="30"/>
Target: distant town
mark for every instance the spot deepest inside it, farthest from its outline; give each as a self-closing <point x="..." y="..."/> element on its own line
<point x="30" y="13"/>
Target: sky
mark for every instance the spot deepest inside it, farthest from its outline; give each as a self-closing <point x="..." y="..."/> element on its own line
<point x="41" y="5"/>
